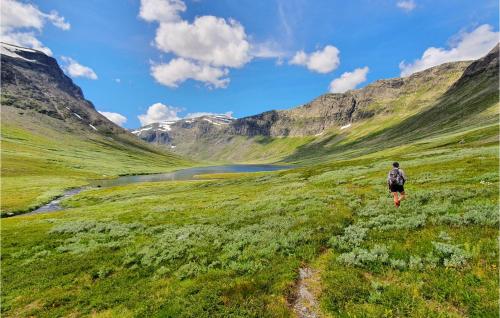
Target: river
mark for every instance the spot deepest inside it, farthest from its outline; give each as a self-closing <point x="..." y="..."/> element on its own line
<point x="183" y="174"/>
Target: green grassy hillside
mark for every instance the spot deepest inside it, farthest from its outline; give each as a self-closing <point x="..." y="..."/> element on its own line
<point x="468" y="103"/>
<point x="42" y="156"/>
<point x="380" y="105"/>
<point x="233" y="247"/>
<point x="236" y="245"/>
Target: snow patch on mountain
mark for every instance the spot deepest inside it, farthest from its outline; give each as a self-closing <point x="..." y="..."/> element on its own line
<point x="10" y="50"/>
<point x="166" y="125"/>
<point x="138" y="131"/>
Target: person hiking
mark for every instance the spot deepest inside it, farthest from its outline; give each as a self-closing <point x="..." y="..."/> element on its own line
<point x="396" y="180"/>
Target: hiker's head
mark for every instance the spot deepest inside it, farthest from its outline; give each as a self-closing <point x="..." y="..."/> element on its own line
<point x="395" y="164"/>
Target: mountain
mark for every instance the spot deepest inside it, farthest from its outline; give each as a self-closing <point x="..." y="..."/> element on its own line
<point x="251" y="138"/>
<point x="53" y="138"/>
<point x="184" y="130"/>
<point x="33" y="81"/>
<point x="469" y="105"/>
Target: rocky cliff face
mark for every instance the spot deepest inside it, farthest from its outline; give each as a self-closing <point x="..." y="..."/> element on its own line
<point x="485" y="68"/>
<point x="332" y="110"/>
<point x="173" y="133"/>
<point x="316" y="117"/>
<point x="33" y="81"/>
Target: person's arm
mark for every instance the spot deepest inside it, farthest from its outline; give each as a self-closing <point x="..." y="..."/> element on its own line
<point x="403" y="174"/>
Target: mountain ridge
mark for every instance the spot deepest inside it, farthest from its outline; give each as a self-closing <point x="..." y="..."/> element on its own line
<point x="330" y="112"/>
<point x="32" y="80"/>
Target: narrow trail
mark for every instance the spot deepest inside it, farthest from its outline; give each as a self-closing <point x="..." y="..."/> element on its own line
<point x="305" y="304"/>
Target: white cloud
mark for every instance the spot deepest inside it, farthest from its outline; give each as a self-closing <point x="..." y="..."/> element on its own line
<point x="75" y="69"/>
<point x="117" y="80"/>
<point x="179" y="70"/>
<point x="57" y="20"/>
<point x="465" y="46"/>
<point x="208" y="39"/>
<point x="349" y="80"/>
<point x="200" y="114"/>
<point x="290" y="15"/>
<point x="203" y="49"/>
<point x="25" y="39"/>
<point x="117" y="118"/>
<point x="406" y="5"/>
<point x="161" y="10"/>
<point x="267" y="49"/>
<point x="19" y="21"/>
<point x="159" y="112"/>
<point x="321" y="61"/>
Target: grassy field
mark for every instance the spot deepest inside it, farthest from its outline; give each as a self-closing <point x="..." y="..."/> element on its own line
<point x="41" y="158"/>
<point x="233" y="247"/>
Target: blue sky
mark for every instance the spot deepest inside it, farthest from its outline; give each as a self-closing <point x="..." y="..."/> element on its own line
<point x="367" y="39"/>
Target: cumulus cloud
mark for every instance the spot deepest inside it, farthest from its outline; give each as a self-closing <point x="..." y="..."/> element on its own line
<point x="159" y="112"/>
<point x="464" y="46"/>
<point x="321" y="61"/>
<point x="20" y="24"/>
<point x="117" y="118"/>
<point x="349" y="80"/>
<point x="179" y="70"/>
<point x="75" y="69"/>
<point x="208" y="39"/>
<point x="161" y="10"/>
<point x="406" y="5"/>
<point x="204" y="49"/>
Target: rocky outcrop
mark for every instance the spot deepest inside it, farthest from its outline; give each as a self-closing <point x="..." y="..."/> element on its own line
<point x="335" y="110"/>
<point x="31" y="80"/>
<point x="314" y="118"/>
<point x="485" y="68"/>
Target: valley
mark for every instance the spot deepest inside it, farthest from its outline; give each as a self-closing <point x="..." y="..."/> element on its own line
<point x="237" y="243"/>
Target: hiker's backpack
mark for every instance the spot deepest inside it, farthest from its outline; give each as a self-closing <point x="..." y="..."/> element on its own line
<point x="395" y="177"/>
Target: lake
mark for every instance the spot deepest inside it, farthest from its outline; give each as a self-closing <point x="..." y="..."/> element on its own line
<point x="183" y="174"/>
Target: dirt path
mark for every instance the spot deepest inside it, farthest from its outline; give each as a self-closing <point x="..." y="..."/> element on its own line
<point x="305" y="304"/>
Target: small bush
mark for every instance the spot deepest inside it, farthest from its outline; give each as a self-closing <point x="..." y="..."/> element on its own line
<point x="353" y="236"/>
<point x="415" y="263"/>
<point x="397" y="264"/>
<point x="451" y="255"/>
<point x="363" y="257"/>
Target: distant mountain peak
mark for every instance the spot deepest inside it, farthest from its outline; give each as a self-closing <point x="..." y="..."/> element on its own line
<point x="33" y="81"/>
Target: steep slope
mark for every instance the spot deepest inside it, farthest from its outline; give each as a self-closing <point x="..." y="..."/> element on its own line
<point x="52" y="138"/>
<point x="32" y="80"/>
<point x="277" y="134"/>
<point x="469" y="105"/>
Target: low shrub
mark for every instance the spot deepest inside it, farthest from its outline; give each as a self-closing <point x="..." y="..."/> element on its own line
<point x="353" y="236"/>
<point x="451" y="255"/>
<point x="363" y="257"/>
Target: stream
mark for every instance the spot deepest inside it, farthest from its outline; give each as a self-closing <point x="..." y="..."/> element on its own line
<point x="183" y="174"/>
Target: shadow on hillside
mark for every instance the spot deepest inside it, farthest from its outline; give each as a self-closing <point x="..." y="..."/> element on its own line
<point x="453" y="111"/>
